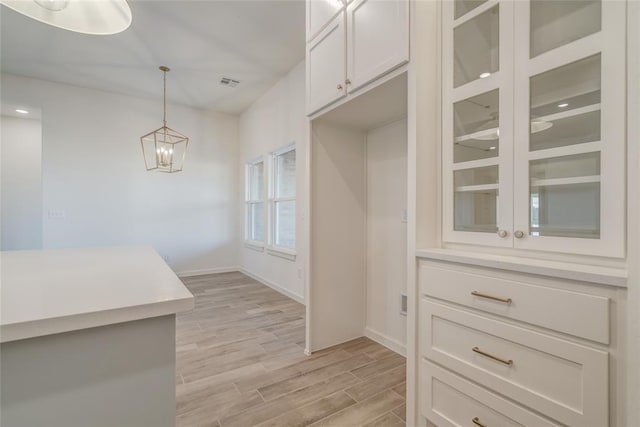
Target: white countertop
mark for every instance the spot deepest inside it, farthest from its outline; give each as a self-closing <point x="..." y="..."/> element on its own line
<point x="581" y="272"/>
<point x="46" y="292"/>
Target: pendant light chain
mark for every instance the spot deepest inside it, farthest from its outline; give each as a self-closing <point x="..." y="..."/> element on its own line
<point x="164" y="102"/>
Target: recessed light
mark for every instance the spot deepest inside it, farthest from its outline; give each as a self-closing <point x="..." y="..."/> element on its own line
<point x="22" y="111"/>
<point x="492" y="148"/>
<point x="563" y="105"/>
<point x="484" y="75"/>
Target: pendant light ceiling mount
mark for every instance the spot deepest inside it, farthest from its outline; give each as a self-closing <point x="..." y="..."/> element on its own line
<point x="164" y="149"/>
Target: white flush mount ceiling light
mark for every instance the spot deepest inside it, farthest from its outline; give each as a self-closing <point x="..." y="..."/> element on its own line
<point x="21" y="111"/>
<point x="97" y="17"/>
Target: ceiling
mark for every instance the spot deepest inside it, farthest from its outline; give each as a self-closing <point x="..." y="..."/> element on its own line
<point x="255" y="42"/>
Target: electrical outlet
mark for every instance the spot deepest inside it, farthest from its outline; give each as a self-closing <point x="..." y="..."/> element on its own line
<point x="404" y="215"/>
<point x="403" y="303"/>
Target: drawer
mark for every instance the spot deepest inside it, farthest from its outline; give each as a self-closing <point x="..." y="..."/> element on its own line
<point x="582" y="315"/>
<point x="563" y="380"/>
<point x="449" y="400"/>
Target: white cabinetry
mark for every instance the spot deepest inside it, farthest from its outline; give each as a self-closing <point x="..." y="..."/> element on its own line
<point x="377" y="39"/>
<point x="320" y="13"/>
<point x="326" y="66"/>
<point x="543" y="343"/>
<point x="363" y="41"/>
<point x="533" y="125"/>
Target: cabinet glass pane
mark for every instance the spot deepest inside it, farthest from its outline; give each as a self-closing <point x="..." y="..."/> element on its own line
<point x="476" y="199"/>
<point x="559" y="22"/>
<point x="565" y="196"/>
<point x="475" y="128"/>
<point x="464" y="6"/>
<point x="476" y="46"/>
<point x="565" y="105"/>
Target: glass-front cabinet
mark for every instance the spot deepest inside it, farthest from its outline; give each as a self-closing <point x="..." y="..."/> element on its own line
<point x="533" y="124"/>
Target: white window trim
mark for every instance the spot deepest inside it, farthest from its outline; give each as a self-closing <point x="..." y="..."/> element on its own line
<point x="272" y="248"/>
<point x="257" y="245"/>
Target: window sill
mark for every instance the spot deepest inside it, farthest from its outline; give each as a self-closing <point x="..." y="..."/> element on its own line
<point x="282" y="253"/>
<point x="253" y="245"/>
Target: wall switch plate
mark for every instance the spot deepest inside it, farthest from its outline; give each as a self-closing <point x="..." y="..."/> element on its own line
<point x="56" y="214"/>
<point x="403" y="303"/>
<point x="405" y="215"/>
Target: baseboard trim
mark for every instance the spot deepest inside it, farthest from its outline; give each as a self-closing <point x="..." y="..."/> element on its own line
<point x="191" y="273"/>
<point x="386" y="341"/>
<point x="273" y="286"/>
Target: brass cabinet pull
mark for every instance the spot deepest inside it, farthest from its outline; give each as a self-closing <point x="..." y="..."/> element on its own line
<point x="339" y="86"/>
<point x="477" y="422"/>
<point x="491" y="356"/>
<point x="348" y="81"/>
<point x="481" y="295"/>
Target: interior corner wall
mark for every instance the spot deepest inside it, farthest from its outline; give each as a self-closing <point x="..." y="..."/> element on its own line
<point x="275" y="120"/>
<point x="387" y="234"/>
<point x="96" y="191"/>
<point x="21" y="182"/>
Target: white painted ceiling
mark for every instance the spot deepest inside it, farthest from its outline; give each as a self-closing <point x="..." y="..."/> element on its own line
<point x="255" y="42"/>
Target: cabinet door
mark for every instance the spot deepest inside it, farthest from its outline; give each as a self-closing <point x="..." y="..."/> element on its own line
<point x="477" y="127"/>
<point x="377" y="39"/>
<point x="326" y="66"/>
<point x="320" y="13"/>
<point x="569" y="121"/>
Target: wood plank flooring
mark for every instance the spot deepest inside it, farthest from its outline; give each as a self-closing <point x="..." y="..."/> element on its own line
<point x="240" y="362"/>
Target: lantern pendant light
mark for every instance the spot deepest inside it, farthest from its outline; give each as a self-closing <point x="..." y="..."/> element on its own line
<point x="164" y="149"/>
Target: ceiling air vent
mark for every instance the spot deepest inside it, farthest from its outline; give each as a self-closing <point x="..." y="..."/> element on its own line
<point x="226" y="81"/>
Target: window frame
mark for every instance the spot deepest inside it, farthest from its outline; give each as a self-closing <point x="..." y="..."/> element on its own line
<point x="249" y="203"/>
<point x="273" y="199"/>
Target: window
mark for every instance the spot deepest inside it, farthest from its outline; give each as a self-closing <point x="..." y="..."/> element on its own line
<point x="283" y="199"/>
<point x="254" y="202"/>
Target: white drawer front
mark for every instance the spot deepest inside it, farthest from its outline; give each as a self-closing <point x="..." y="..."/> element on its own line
<point x="449" y="400"/>
<point x="566" y="381"/>
<point x="574" y="313"/>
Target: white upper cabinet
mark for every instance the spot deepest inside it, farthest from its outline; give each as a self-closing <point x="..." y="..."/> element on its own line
<point x="375" y="40"/>
<point x="533" y="124"/>
<point x="320" y="13"/>
<point x="326" y="66"/>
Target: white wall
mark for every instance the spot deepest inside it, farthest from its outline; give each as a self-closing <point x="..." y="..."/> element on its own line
<point x="93" y="172"/>
<point x="336" y="308"/>
<point x="386" y="233"/>
<point x="277" y="119"/>
<point x="21" y="181"/>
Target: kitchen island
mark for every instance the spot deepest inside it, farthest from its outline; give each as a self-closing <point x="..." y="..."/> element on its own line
<point x="88" y="337"/>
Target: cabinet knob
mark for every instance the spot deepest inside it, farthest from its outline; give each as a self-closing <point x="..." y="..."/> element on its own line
<point x="339" y="86"/>
<point x="518" y="234"/>
<point x="347" y="81"/>
<point x="503" y="233"/>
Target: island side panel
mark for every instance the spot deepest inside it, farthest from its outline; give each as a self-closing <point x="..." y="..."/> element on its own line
<point x="116" y="375"/>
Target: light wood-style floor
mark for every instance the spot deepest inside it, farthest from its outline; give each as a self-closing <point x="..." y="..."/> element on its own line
<point x="240" y="363"/>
